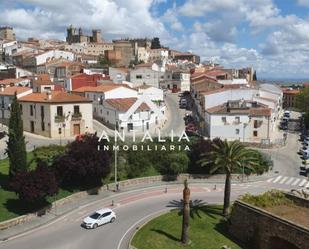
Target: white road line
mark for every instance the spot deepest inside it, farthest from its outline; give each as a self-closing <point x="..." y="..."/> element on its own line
<point x="144" y="218"/>
<point x="270" y="179"/>
<point x="295" y="182"/>
<point x="283" y="179"/>
<point x="302" y="182"/>
<point x="277" y="179"/>
<point x="307" y="185"/>
<point x="290" y="180"/>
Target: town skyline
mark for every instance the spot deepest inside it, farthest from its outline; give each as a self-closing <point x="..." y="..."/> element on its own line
<point x="268" y="35"/>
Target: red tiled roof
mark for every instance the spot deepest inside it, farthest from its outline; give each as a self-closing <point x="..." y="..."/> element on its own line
<point x="14" y="89"/>
<point x="56" y="97"/>
<point x="125" y="103"/>
<point x="11" y="81"/>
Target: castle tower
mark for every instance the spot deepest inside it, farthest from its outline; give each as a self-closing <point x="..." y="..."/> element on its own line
<point x="7" y="33"/>
<point x="96" y="35"/>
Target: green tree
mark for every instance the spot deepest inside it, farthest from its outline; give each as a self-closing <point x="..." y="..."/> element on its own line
<point x="16" y="146"/>
<point x="302" y="100"/>
<point x="185" y="214"/>
<point x="229" y="156"/>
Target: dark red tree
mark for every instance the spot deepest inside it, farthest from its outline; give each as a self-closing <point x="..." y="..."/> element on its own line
<point x="84" y="165"/>
<point x="35" y="185"/>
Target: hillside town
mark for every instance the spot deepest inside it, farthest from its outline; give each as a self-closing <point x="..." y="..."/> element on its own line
<point x="175" y="148"/>
<point x="63" y="86"/>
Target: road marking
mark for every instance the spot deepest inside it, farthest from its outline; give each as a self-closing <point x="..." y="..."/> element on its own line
<point x="270" y="179"/>
<point x="290" y="180"/>
<point x="140" y="220"/>
<point x="307" y="185"/>
<point x="283" y="179"/>
<point x="277" y="179"/>
<point x="302" y="182"/>
<point x="295" y="182"/>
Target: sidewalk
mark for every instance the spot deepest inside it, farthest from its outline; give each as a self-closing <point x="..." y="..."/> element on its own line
<point x="107" y="196"/>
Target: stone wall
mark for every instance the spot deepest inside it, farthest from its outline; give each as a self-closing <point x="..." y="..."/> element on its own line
<point x="263" y="230"/>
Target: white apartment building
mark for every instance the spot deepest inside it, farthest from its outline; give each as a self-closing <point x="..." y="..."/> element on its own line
<point x="6" y="98"/>
<point x="178" y="80"/>
<point x="247" y="121"/>
<point x="217" y="118"/>
<point x="56" y="114"/>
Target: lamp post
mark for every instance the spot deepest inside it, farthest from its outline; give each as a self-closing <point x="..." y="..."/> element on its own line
<point x="116" y="182"/>
<point x="243" y="167"/>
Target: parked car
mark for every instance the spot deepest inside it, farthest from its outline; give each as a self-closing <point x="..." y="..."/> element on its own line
<point x="183" y="103"/>
<point x="98" y="218"/>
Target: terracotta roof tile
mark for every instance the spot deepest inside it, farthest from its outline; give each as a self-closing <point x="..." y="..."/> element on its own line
<point x="125" y="103"/>
<point x="11" y="81"/>
<point x="56" y="97"/>
<point x="14" y="89"/>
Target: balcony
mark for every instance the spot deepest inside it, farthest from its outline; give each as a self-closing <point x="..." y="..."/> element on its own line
<point x="59" y="118"/>
<point x="76" y="116"/>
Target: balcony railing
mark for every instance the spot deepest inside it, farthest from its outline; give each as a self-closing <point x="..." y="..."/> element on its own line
<point x="59" y="119"/>
<point x="76" y="116"/>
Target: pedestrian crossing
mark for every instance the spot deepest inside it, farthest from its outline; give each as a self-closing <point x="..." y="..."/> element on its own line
<point x="289" y="180"/>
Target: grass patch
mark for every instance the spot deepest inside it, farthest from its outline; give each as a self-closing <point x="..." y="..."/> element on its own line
<point x="10" y="205"/>
<point x="207" y="229"/>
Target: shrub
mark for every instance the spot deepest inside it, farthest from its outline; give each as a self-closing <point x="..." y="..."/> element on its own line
<point x="268" y="199"/>
<point x="83" y="165"/>
<point x="35" y="185"/>
<point x="48" y="153"/>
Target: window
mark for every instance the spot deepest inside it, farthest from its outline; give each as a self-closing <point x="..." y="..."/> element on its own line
<point x="21" y="108"/>
<point x="107" y="113"/>
<point x="31" y="110"/>
<point x="42" y="111"/>
<point x="255" y="133"/>
<point x="237" y="120"/>
<point x="59" y="111"/>
<point x="76" y="109"/>
<point x="255" y="124"/>
<point x="237" y="131"/>
<point x="223" y="119"/>
<point x="138" y="76"/>
<point x="43" y="126"/>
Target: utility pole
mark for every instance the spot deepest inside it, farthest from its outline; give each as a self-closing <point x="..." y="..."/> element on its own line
<point x="116" y="182"/>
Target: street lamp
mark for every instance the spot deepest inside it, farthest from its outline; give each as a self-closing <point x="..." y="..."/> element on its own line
<point x="116" y="182"/>
<point x="243" y="166"/>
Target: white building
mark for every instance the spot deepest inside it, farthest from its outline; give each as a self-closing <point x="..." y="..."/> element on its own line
<point x="247" y="121"/>
<point x="262" y="103"/>
<point x="131" y="113"/>
<point x="118" y="75"/>
<point x="143" y="54"/>
<point x="157" y="54"/>
<point x="56" y="114"/>
<point x="6" y="98"/>
<point x="151" y="92"/>
<point x="145" y="76"/>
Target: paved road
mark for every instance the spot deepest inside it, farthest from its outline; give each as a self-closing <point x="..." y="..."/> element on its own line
<point x="132" y="209"/>
<point x="175" y="116"/>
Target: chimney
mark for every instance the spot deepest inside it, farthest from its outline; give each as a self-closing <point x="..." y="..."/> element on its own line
<point x="48" y="95"/>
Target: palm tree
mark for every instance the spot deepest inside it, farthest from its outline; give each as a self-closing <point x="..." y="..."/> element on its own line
<point x="229" y="156"/>
<point x="186" y="213"/>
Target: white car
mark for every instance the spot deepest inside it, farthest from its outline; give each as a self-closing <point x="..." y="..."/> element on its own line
<point x="98" y="218"/>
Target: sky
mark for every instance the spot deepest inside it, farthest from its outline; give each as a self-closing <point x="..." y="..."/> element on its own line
<point x="270" y="35"/>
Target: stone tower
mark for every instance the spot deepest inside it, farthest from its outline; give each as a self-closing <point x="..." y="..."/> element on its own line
<point x="96" y="35"/>
<point x="7" y="33"/>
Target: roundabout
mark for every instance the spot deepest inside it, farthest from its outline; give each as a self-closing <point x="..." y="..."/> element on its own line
<point x="133" y="209"/>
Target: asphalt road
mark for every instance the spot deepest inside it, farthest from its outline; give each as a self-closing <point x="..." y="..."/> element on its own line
<point x="175" y="115"/>
<point x="132" y="209"/>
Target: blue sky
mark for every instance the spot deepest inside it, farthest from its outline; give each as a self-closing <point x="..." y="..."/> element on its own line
<point x="270" y="35"/>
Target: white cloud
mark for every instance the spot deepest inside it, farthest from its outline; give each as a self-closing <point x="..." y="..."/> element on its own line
<point x="116" y="18"/>
<point x="303" y="3"/>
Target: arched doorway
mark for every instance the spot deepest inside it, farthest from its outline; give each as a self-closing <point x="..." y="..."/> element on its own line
<point x="279" y="243"/>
